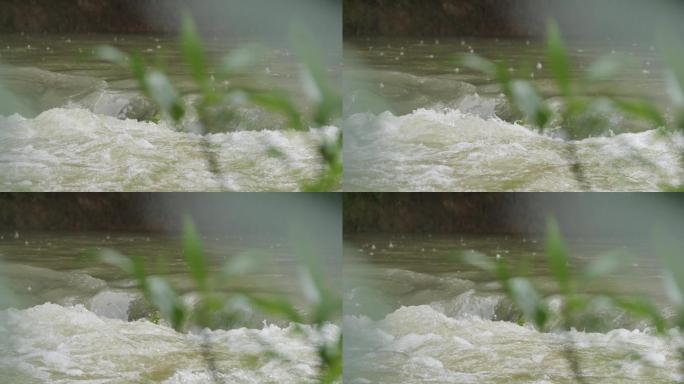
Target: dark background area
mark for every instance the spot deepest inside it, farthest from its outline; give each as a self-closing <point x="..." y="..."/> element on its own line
<point x="614" y="19"/>
<point x="82" y="212"/>
<point x="581" y="214"/>
<point x="80" y="16"/>
<point x="267" y="18"/>
<point x="319" y="215"/>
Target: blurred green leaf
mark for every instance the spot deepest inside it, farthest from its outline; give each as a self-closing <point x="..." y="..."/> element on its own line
<point x="669" y="250"/>
<point x="558" y="257"/>
<point x="276" y="306"/>
<point x="642" y="109"/>
<point x="670" y="48"/>
<point x="243" y="58"/>
<point x="194" y="256"/>
<point x="478" y="260"/>
<point x="193" y="51"/>
<point x="111" y="54"/>
<point x="605" y="264"/>
<point x="315" y="78"/>
<point x="278" y="102"/>
<point x="558" y="58"/>
<point x="164" y="94"/>
<point x="245" y="263"/>
<point x="642" y="308"/>
<point x="164" y="298"/>
<point x="605" y="68"/>
<point x="529" y="301"/>
<point x="530" y="103"/>
<point x="114" y="258"/>
<point x="480" y="64"/>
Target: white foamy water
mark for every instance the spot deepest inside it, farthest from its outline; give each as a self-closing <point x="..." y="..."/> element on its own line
<point x="449" y="150"/>
<point x="78" y="150"/>
<point x="50" y="343"/>
<point x="420" y="344"/>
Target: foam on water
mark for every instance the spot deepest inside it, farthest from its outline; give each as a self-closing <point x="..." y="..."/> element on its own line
<point x="76" y="149"/>
<point x="419" y="344"/>
<point x="448" y="150"/>
<point x="50" y="343"/>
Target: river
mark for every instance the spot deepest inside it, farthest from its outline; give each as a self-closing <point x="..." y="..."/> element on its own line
<point x="413" y="314"/>
<point x="417" y="120"/>
<point x="73" y="123"/>
<point x="67" y="318"/>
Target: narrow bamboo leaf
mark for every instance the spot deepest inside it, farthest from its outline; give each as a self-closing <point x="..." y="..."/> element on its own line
<point x="114" y="258"/>
<point x="194" y="256"/>
<point x="280" y="103"/>
<point x="557" y="58"/>
<point x="243" y="58"/>
<point x="480" y="64"/>
<point x="529" y="301"/>
<point x="164" y="94"/>
<point x="193" y="51"/>
<point x="245" y="263"/>
<point x="165" y="299"/>
<point x="530" y="103"/>
<point x="558" y="257"/>
<point x="478" y="260"/>
<point x="111" y="54"/>
<point x="642" y="109"/>
<point x="276" y="306"/>
<point x="605" y="264"/>
<point x="315" y="79"/>
<point x="642" y="308"/>
<point x="605" y="68"/>
<point x="669" y="250"/>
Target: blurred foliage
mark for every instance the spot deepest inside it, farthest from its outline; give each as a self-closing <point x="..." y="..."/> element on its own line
<point x="578" y="309"/>
<point x="582" y="108"/>
<point x="216" y="105"/>
<point x="577" y="96"/>
<point x="213" y="309"/>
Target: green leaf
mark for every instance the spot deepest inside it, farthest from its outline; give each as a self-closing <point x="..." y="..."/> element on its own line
<point x="278" y="102"/>
<point x="194" y="256"/>
<point x="642" y="109"/>
<point x="480" y="64"/>
<point x="314" y="77"/>
<point x="669" y="45"/>
<point x="478" y="260"/>
<point x="558" y="58"/>
<point x="111" y="54"/>
<point x="669" y="250"/>
<point x="114" y="258"/>
<point x="164" y="94"/>
<point x="193" y="51"/>
<point x="528" y="101"/>
<point x="245" y="263"/>
<point x="276" y="306"/>
<point x="558" y="257"/>
<point x="165" y="299"/>
<point x="604" y="265"/>
<point x="642" y="308"/>
<point x="528" y="300"/>
<point x="243" y="58"/>
<point x="605" y="68"/>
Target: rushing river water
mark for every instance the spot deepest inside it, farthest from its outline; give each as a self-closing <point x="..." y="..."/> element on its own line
<point x="414" y="315"/>
<point x="76" y="320"/>
<point x="417" y="120"/>
<point x="72" y="122"/>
